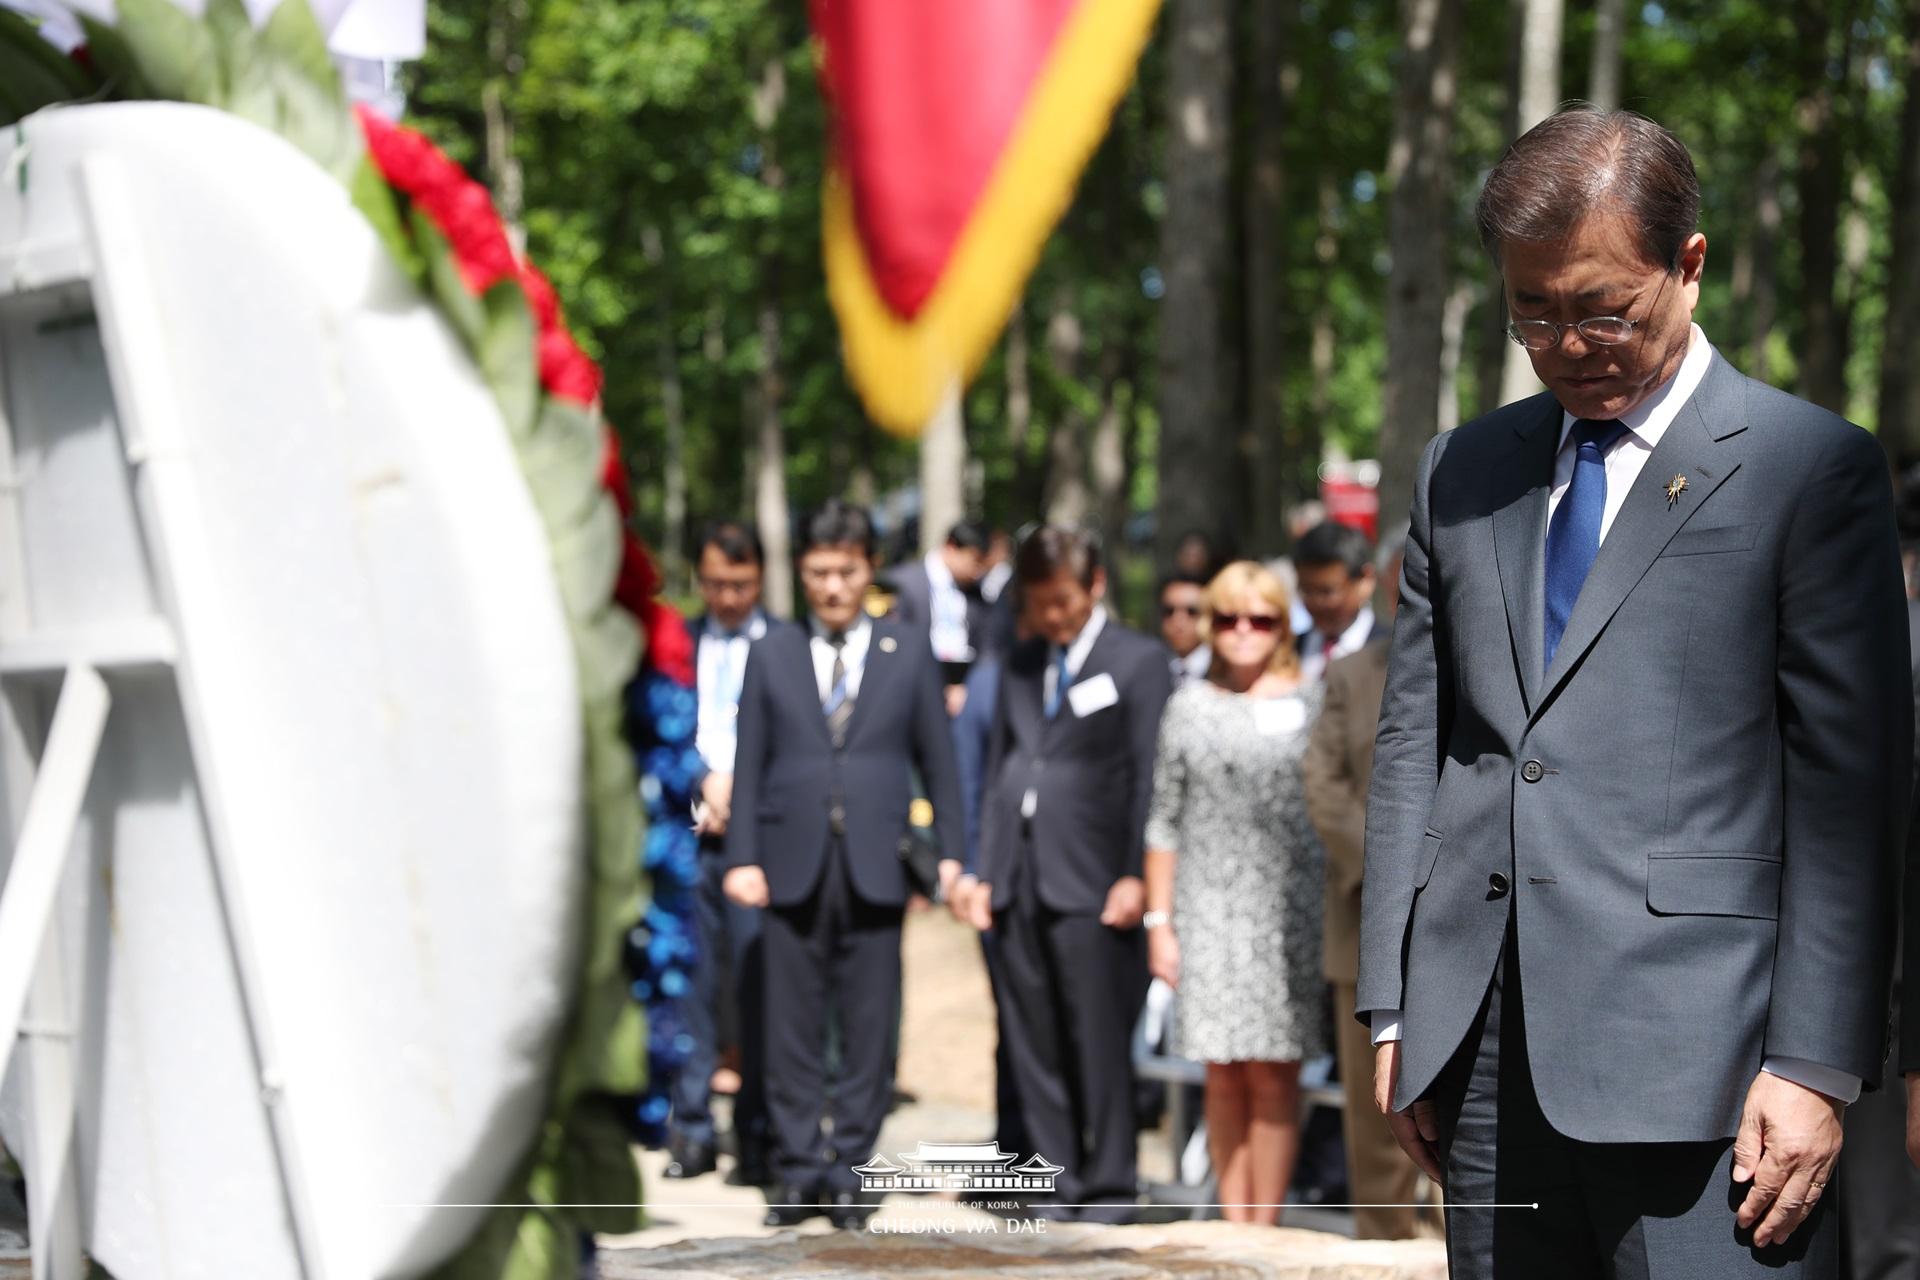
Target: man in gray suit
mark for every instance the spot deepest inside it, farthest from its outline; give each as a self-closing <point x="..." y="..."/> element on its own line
<point x="1642" y="765"/>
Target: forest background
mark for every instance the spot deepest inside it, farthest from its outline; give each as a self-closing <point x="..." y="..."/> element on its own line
<point x="1269" y="267"/>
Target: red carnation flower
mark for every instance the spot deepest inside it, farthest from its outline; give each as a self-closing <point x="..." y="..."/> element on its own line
<point x="540" y="296"/>
<point x="669" y="646"/>
<point x="565" y="370"/>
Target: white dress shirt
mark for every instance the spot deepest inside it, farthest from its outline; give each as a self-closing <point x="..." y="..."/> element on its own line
<point x="1192" y="667"/>
<point x="720" y="665"/>
<point x="1313" y="662"/>
<point x="1076" y="658"/>
<point x="947" y="603"/>
<point x="859" y="637"/>
<point x="1646" y="424"/>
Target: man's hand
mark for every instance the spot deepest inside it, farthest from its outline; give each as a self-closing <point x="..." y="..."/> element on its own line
<point x="1163" y="955"/>
<point x="960" y="899"/>
<point x="949" y="876"/>
<point x="956" y="695"/>
<point x="746" y="886"/>
<point x="980" y="906"/>
<point x="1913" y="1118"/>
<point x="1416" y="1129"/>
<point x="716" y="790"/>
<point x="1788" y="1144"/>
<point x="1126" y="903"/>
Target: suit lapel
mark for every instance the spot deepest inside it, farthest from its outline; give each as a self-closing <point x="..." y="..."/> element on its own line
<point x="1519" y="545"/>
<point x="882" y="658"/>
<point x="1648" y="520"/>
<point x="805" y="683"/>
<point x="1095" y="664"/>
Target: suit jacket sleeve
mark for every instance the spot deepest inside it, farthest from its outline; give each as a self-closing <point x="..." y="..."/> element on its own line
<point x="1909" y="1058"/>
<point x="1145" y="698"/>
<point x="1846" y="754"/>
<point x="991" y="818"/>
<point x="1334" y="799"/>
<point x="972" y="729"/>
<point x="749" y="764"/>
<point x="1414" y="720"/>
<point x="933" y="752"/>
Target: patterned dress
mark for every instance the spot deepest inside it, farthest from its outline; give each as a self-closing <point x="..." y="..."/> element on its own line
<point x="1247" y="894"/>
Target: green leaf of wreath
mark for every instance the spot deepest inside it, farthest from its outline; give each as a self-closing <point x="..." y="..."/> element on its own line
<point x="34" y="74"/>
<point x="311" y="104"/>
<point x="172" y="53"/>
<point x="508" y="355"/>
<point x="381" y="208"/>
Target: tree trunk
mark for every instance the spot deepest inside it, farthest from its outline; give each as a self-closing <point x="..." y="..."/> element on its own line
<point x="770" y="470"/>
<point x="1536" y="95"/>
<point x="1453" y="335"/>
<point x="1069" y="501"/>
<point x="1274" y="448"/>
<point x="943" y="471"/>
<point x="673" y="466"/>
<point x="1493" y="345"/>
<point x="1768" y="222"/>
<point x="1821" y="179"/>
<point x="1326" y="249"/>
<point x="1603" y="71"/>
<point x="1419" y="222"/>
<point x="506" y="20"/>
<point x="1196" y="455"/>
<point x="1899" y="409"/>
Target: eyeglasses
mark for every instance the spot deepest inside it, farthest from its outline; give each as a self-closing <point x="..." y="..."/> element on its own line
<point x="1256" y="621"/>
<point x="727" y="586"/>
<point x="1191" y="610"/>
<point x="1544" y="335"/>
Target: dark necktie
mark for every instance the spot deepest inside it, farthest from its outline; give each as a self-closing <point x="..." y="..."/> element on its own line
<point x="840" y="694"/>
<point x="1573" y="537"/>
<point x="1060" y="682"/>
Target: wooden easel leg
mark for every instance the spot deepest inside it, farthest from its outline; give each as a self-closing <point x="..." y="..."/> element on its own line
<point x="33" y="996"/>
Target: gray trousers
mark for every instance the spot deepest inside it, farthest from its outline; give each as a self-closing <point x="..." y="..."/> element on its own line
<point x="1618" y="1211"/>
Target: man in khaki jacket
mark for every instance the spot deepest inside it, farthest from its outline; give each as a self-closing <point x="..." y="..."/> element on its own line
<point x="1338" y="769"/>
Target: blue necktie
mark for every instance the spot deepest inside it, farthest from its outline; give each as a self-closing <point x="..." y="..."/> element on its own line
<point x="1573" y="538"/>
<point x="1060" y="680"/>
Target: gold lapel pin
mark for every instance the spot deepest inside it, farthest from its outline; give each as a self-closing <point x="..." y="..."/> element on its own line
<point x="1675" y="487"/>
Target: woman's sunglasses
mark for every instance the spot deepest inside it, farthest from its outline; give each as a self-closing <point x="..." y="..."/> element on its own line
<point x="1255" y="621"/>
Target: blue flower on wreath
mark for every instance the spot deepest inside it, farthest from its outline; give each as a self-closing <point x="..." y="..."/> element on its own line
<point x="662" y="716"/>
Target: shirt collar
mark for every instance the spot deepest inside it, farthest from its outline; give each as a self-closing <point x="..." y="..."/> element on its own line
<point x="856" y="634"/>
<point x="756" y="626"/>
<point x="939" y="577"/>
<point x="1650" y="419"/>
<point x="1353" y="637"/>
<point x="1083" y="643"/>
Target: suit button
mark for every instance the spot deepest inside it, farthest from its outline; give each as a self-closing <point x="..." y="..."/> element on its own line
<point x="1496" y="886"/>
<point x="1533" y="771"/>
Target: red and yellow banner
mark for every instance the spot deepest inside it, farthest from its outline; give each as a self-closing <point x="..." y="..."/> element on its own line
<point x="960" y="128"/>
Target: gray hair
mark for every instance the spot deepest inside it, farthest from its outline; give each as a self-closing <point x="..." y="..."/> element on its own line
<point x="1583" y="160"/>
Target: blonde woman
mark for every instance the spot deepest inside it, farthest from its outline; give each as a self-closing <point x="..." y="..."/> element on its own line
<point x="1233" y="871"/>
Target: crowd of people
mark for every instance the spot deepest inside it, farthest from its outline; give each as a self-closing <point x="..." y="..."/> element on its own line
<point x="1107" y="808"/>
<point x="1629" y="785"/>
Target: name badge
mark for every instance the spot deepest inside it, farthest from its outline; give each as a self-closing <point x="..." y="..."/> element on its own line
<point x="1273" y="717"/>
<point x="1096" y="693"/>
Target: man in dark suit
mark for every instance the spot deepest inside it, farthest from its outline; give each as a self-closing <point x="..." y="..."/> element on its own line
<point x="1334" y="566"/>
<point x="1070" y="769"/>
<point x="1642" y="767"/>
<point x="939" y="596"/>
<point x="833" y="718"/>
<point x="726" y="976"/>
